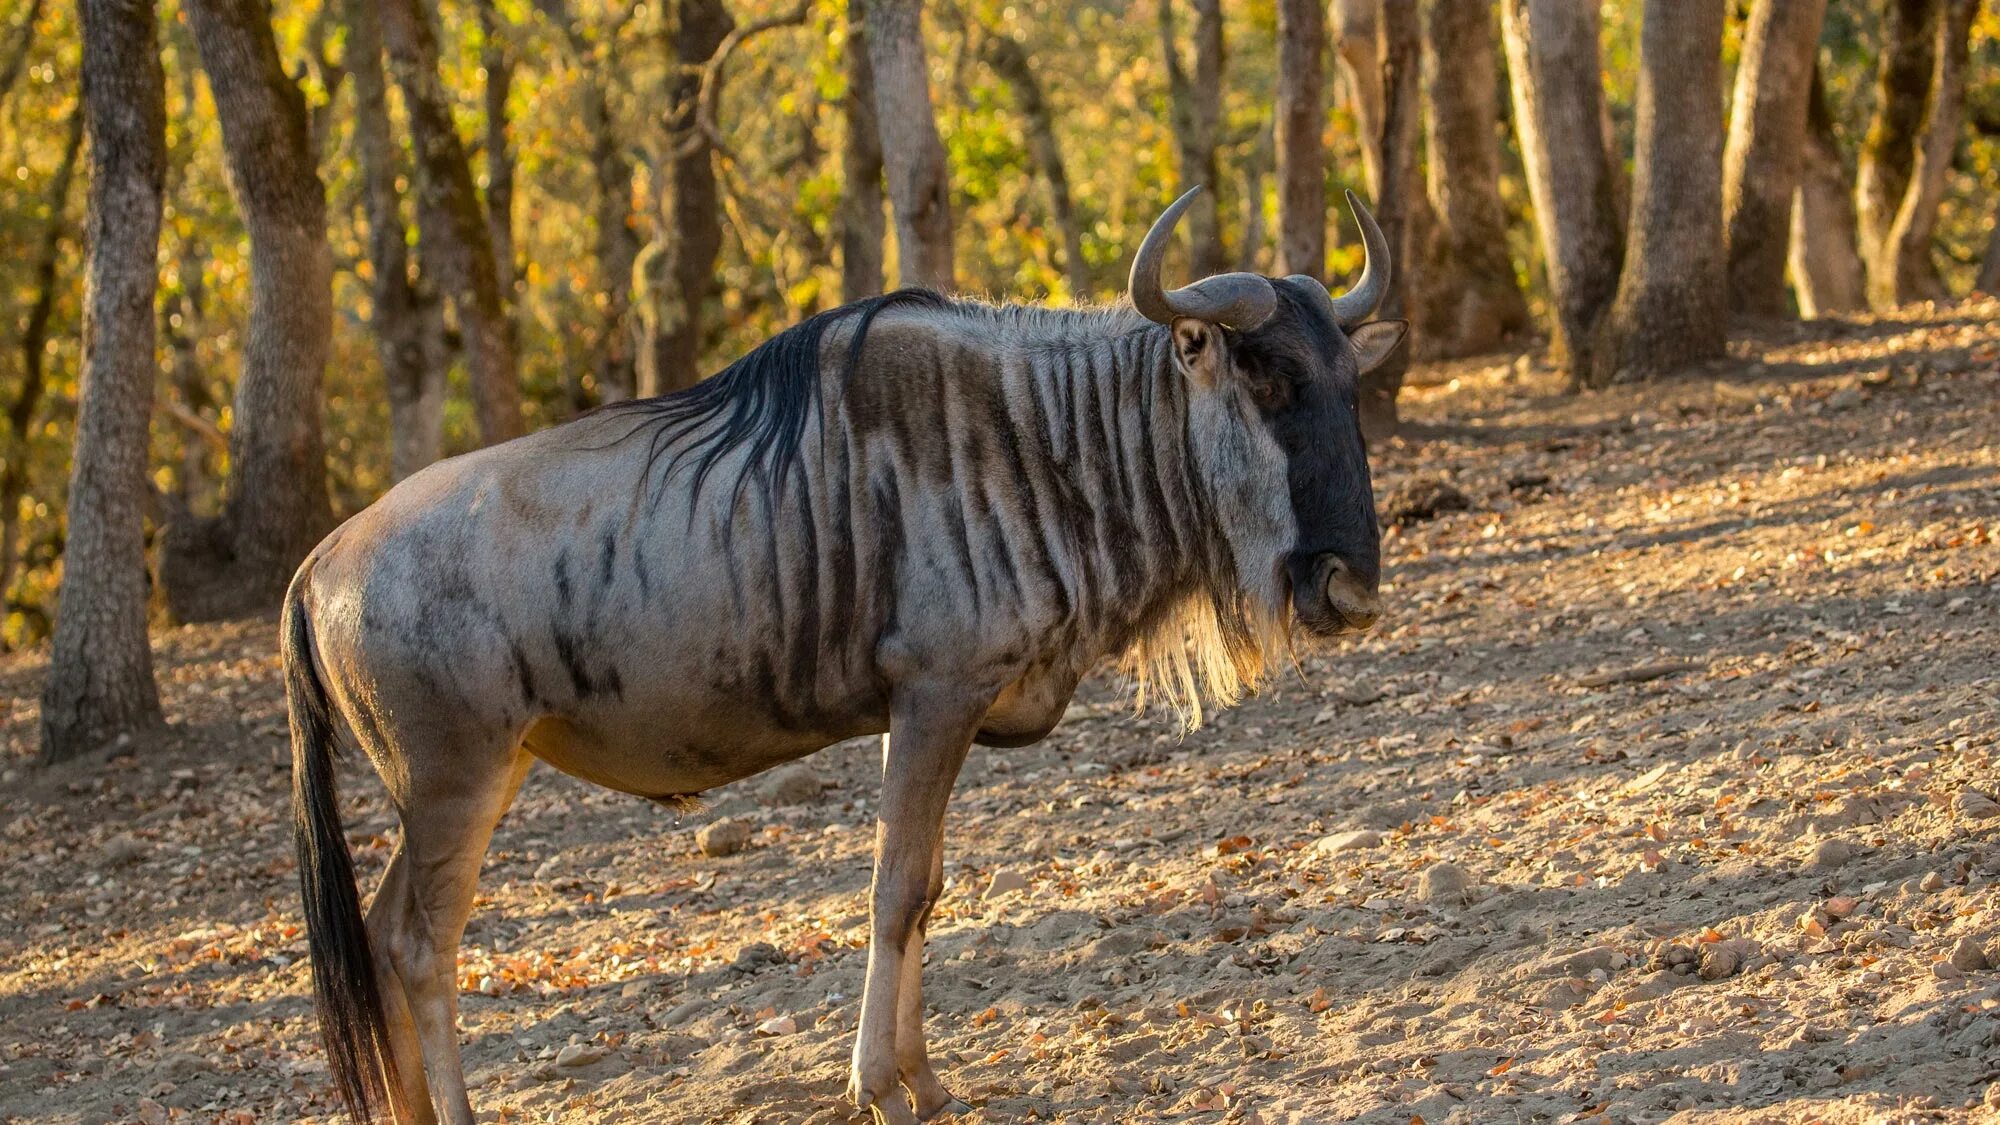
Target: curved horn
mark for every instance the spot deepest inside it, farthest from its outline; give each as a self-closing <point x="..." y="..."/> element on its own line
<point x="1233" y="300"/>
<point x="1365" y="296"/>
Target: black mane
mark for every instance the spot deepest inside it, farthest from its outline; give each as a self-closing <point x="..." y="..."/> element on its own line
<point x="760" y="403"/>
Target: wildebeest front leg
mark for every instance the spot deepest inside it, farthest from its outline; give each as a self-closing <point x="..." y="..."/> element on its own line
<point x="912" y="1060"/>
<point x="921" y="756"/>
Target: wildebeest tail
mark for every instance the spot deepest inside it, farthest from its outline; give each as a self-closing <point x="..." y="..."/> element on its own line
<point x="351" y="1019"/>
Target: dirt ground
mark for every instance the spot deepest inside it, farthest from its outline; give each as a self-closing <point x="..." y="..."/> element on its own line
<point x="1664" y="792"/>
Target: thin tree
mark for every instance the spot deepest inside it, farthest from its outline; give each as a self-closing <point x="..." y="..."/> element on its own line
<point x="402" y="306"/>
<point x="100" y="684"/>
<point x="275" y="504"/>
<point x="451" y="221"/>
<point x="913" y="156"/>
<point x="679" y="266"/>
<point x="1764" y="152"/>
<point x="1670" y="310"/>
<point x="1401" y="207"/>
<point x="1195" y="102"/>
<point x="1905" y="270"/>
<point x="1825" y="258"/>
<point x="1552" y="61"/>
<point x="862" y="227"/>
<point x="33" y="349"/>
<point x="1988" y="281"/>
<point x="1888" y="149"/>
<point x="1479" y="302"/>
<point x="1357" y="39"/>
<point x="1009" y="59"/>
<point x="1301" y="117"/>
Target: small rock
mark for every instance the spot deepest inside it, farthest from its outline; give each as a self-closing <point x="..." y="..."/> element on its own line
<point x="794" y="784"/>
<point x="579" y="1054"/>
<point x="1831" y="854"/>
<point x="1351" y="841"/>
<point x="1932" y="882"/>
<point x="1968" y="957"/>
<point x="1976" y="805"/>
<point x="1559" y="995"/>
<point x="1719" y="960"/>
<point x="1443" y="884"/>
<point x="1945" y="970"/>
<point x="755" y="956"/>
<point x="1006" y="881"/>
<point x="722" y="837"/>
<point x="124" y="849"/>
<point x="1846" y="398"/>
<point x="778" y="1025"/>
<point x="1423" y="498"/>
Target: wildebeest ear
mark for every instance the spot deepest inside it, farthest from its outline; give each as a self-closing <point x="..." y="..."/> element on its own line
<point x="1376" y="339"/>
<point x="1197" y="350"/>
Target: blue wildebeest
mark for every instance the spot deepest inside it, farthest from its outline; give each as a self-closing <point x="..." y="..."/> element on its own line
<point x="911" y="516"/>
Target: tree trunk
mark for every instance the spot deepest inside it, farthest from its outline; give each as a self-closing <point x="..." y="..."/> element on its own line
<point x="1907" y="271"/>
<point x="1009" y="59"/>
<point x="1989" y="269"/>
<point x="1558" y="113"/>
<point x="861" y="222"/>
<point x="1479" y="302"/>
<point x="1888" y="150"/>
<point x="1255" y="164"/>
<point x="1301" y="120"/>
<point x="498" y="62"/>
<point x="680" y="265"/>
<point x="1401" y="205"/>
<point x="413" y="372"/>
<point x="1825" y="259"/>
<point x="452" y="222"/>
<point x="919" y="182"/>
<point x="275" y="503"/>
<point x="27" y="404"/>
<point x="100" y="683"/>
<point x="1197" y="119"/>
<point x="1671" y="306"/>
<point x="1357" y="36"/>
<point x="1767" y="131"/>
<point x="16" y="58"/>
<point x="617" y="244"/>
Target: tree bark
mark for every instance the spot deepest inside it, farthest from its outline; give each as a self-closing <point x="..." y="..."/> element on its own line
<point x="1761" y="160"/>
<point x="1671" y="306"/>
<point x="1906" y="270"/>
<point x="27" y="404"/>
<point x="452" y="223"/>
<point x="275" y="504"/>
<point x="914" y="157"/>
<point x="1009" y="59"/>
<point x="1479" y="302"/>
<point x="1357" y="36"/>
<point x="100" y="683"/>
<point x="1552" y="61"/>
<point x="498" y="62"/>
<point x="403" y="306"/>
<point x="1988" y="281"/>
<point x="1196" y="106"/>
<point x="861" y="221"/>
<point x="1826" y="265"/>
<point x="16" y="58"/>
<point x="1400" y="207"/>
<point x="1301" y="120"/>
<point x="1888" y="150"/>
<point x="617" y="244"/>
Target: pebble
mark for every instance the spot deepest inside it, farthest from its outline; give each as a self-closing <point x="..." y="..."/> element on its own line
<point x="124" y="849"/>
<point x="1968" y="957"/>
<point x="1932" y="882"/>
<point x="579" y="1054"/>
<point x="1443" y="883"/>
<point x="1832" y="853"/>
<point x="1351" y="841"/>
<point x="1945" y="970"/>
<point x="1006" y="881"/>
<point x="1976" y="805"/>
<point x="722" y="837"/>
<point x="793" y="784"/>
<point x="778" y="1025"/>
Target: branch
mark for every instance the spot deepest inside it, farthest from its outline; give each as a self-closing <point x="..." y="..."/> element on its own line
<point x="706" y="131"/>
<point x="24" y="38"/>
<point x="200" y="426"/>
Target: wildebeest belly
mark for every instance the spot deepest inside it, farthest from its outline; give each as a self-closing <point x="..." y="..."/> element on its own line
<point x="673" y="756"/>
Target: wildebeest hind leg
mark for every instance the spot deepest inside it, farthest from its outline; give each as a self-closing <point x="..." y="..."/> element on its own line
<point x="929" y="736"/>
<point x="412" y="1097"/>
<point x="912" y="1059"/>
<point x="454" y="801"/>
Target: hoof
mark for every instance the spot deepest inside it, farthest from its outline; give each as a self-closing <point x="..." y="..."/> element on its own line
<point x="952" y="1107"/>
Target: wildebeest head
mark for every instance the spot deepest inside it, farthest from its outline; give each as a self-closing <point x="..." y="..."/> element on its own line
<point x="1275" y="364"/>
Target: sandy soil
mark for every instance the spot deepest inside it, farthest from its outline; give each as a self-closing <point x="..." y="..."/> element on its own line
<point x="1666" y="792"/>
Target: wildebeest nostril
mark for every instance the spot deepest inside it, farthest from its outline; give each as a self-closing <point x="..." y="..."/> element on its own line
<point x="1353" y="599"/>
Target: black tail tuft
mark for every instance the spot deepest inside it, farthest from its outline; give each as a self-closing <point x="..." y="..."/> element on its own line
<point x="351" y="1019"/>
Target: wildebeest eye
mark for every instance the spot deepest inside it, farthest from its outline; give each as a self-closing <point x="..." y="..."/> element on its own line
<point x="1268" y="392"/>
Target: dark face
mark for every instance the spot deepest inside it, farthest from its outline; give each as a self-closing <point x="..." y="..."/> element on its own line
<point x="1302" y="372"/>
